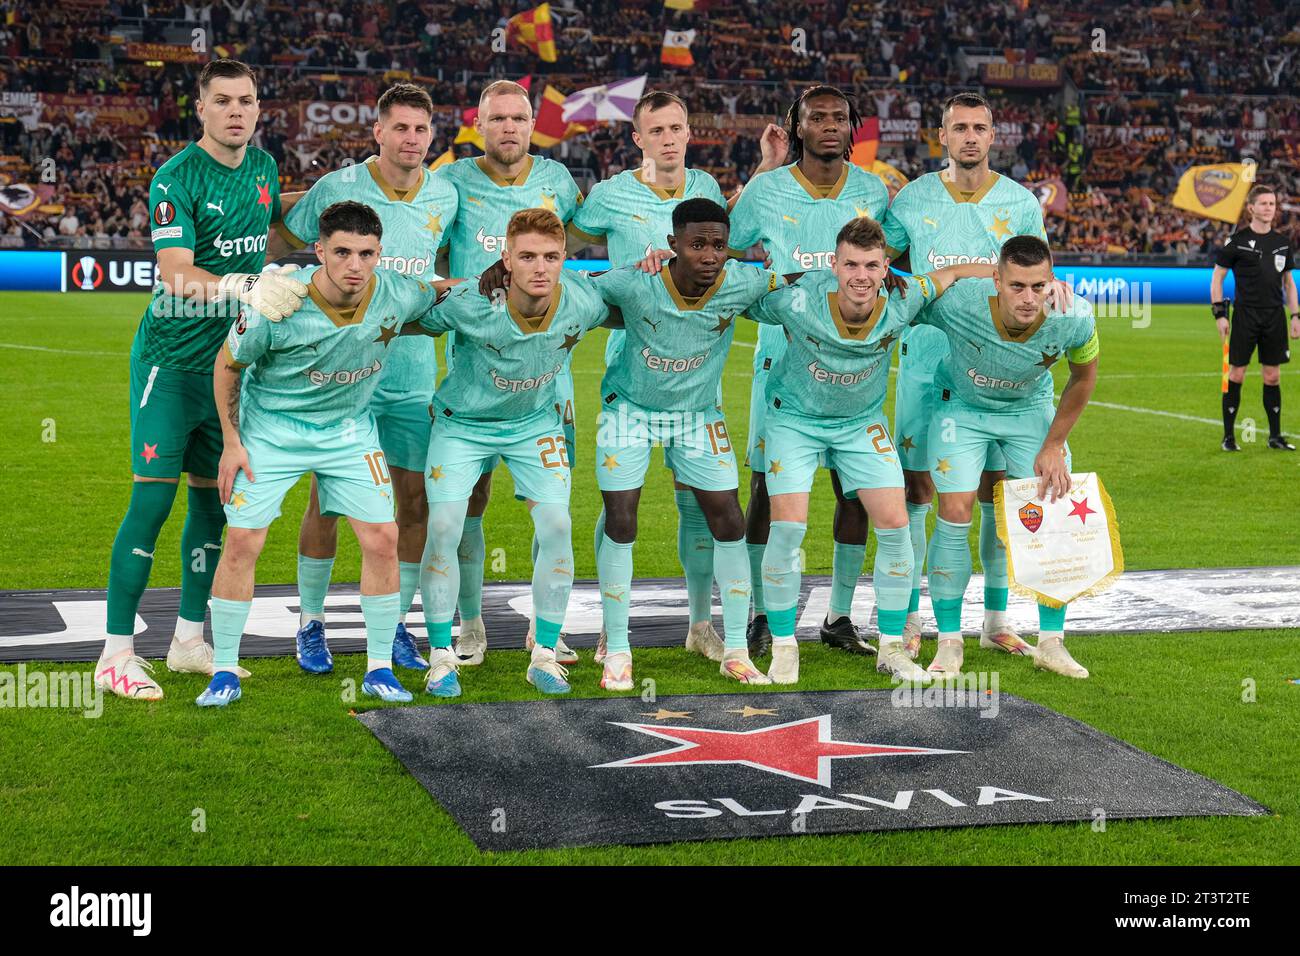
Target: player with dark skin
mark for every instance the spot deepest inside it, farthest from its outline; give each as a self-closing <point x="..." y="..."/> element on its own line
<point x="699" y="253"/>
<point x="824" y="127"/>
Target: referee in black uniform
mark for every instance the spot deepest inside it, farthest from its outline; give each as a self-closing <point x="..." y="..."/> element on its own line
<point x="1260" y="260"/>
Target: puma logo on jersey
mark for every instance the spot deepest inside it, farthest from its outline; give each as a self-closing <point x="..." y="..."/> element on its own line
<point x="217" y="207"/>
<point x="790" y="219"/>
<point x="489" y="345"/>
<point x="142" y="553"/>
<point x="345" y="377"/>
<point x="654" y="326"/>
<point x="815" y="343"/>
<point x="474" y="199"/>
<point x="812" y="260"/>
<point x="636" y="218"/>
<point x="930" y="221"/>
<point x="490" y="243"/>
<point x="976" y="346"/>
<point x="165" y="189"/>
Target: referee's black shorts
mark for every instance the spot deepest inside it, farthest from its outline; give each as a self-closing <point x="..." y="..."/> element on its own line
<point x="1265" y="328"/>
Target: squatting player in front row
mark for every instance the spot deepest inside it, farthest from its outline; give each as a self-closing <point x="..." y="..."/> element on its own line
<point x="295" y="397"/>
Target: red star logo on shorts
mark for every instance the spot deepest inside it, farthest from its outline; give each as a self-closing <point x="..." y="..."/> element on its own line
<point x="150" y="452"/>
<point x="1082" y="510"/>
<point x="264" y="195"/>
<point x="802" y="749"/>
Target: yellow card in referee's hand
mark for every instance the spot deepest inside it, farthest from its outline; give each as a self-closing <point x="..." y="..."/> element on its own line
<point x="1063" y="550"/>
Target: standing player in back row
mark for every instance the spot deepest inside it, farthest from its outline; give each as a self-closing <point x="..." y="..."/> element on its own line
<point x="796" y="212"/>
<point x="958" y="215"/>
<point x="492" y="188"/>
<point x="211" y="205"/>
<point x="417" y="210"/>
<point x="632" y="214"/>
<point x="1260" y="260"/>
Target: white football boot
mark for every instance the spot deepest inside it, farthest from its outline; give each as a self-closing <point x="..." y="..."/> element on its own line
<point x="784" y="668"/>
<point x="948" y="658"/>
<point x="127" y="675"/>
<point x="471" y="643"/>
<point x="1052" y="656"/>
<point x="194" y="657"/>
<point x="892" y="659"/>
<point x="702" y="639"/>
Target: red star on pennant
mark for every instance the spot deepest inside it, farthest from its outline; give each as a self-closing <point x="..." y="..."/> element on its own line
<point x="802" y="749"/>
<point x="1082" y="510"/>
<point x="150" y="452"/>
<point x="264" y="195"/>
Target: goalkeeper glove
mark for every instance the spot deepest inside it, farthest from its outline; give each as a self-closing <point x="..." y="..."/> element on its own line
<point x="1220" y="309"/>
<point x="276" y="294"/>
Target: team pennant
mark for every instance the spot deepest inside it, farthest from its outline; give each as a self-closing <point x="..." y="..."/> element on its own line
<point x="1063" y="550"/>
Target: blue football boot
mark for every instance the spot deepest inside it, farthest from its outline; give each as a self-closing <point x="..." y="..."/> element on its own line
<point x="223" y="689"/>
<point x="382" y="683"/>
<point x="313" y="653"/>
<point x="443" y="679"/>
<point x="405" y="652"/>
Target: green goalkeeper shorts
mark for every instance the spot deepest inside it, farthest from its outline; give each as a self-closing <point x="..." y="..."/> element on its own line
<point x="174" y="423"/>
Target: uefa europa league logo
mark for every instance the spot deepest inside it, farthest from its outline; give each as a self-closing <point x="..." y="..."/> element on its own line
<point x="87" y="273"/>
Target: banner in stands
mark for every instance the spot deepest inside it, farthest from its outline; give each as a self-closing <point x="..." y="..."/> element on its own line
<point x="164" y="52"/>
<point x="1021" y="75"/>
<point x="25" y="108"/>
<point x="99" y="110"/>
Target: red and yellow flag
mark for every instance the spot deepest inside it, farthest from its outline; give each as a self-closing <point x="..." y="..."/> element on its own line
<point x="551" y="127"/>
<point x="532" y="29"/>
<point x="866" y="140"/>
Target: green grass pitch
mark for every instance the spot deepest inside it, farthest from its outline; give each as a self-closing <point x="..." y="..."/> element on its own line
<point x="287" y="776"/>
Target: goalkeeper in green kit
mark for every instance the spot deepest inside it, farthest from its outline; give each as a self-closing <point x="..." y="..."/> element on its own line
<point x="211" y="206"/>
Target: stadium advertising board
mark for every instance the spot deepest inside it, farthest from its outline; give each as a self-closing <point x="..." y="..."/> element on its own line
<point x="94" y="270"/>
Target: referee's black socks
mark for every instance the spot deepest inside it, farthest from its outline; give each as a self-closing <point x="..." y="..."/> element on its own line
<point x="1272" y="408"/>
<point x="1231" y="402"/>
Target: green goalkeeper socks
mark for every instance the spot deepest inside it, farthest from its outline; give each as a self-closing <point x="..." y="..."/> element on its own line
<point x="205" y="519"/>
<point x="132" y="559"/>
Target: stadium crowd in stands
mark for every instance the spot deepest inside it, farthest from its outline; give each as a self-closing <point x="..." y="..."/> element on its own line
<point x="1159" y="88"/>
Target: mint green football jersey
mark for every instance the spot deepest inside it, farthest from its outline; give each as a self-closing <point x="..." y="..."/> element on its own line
<point x="223" y="215"/>
<point x="942" y="228"/>
<point x="797" y="226"/>
<point x="478" y="235"/>
<point x="506" y="364"/>
<point x="987" y="366"/>
<point x="415" y="224"/>
<point x="829" y="371"/>
<point x="676" y="348"/>
<point x="319" y="367"/>
<point x="632" y="217"/>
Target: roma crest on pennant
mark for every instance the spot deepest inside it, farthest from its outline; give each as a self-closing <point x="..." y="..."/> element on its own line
<point x="1063" y="550"/>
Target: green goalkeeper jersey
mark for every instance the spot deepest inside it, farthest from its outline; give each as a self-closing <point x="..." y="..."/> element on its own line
<point x="321" y="366"/>
<point x="944" y="227"/>
<point x="416" y="223"/>
<point x="990" y="367"/>
<point x="829" y="370"/>
<point x="506" y="363"/>
<point x="223" y="215"/>
<point x="676" y="347"/>
<point x="797" y="222"/>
